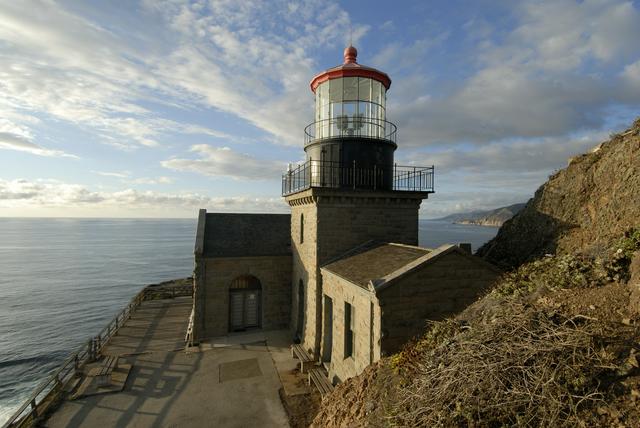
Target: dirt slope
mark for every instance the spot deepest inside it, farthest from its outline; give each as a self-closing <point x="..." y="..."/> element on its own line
<point x="583" y="207"/>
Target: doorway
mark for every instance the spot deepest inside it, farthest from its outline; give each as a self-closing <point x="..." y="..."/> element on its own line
<point x="245" y="297"/>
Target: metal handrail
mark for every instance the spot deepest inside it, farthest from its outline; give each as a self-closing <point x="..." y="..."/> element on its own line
<point x="350" y="126"/>
<point x="88" y="352"/>
<point x="332" y="174"/>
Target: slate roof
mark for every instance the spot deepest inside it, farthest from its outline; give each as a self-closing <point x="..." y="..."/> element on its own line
<point x="246" y="235"/>
<point x="374" y="260"/>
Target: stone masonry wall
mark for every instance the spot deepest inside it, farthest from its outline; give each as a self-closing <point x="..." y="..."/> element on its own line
<point x="335" y="222"/>
<point x="305" y="269"/>
<point x="274" y="273"/>
<point x="444" y="287"/>
<point x="346" y="222"/>
<point x="365" y="322"/>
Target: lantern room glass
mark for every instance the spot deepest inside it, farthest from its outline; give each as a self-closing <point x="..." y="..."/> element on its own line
<point x="350" y="106"/>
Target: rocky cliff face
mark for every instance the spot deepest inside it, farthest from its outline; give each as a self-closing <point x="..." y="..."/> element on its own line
<point x="584" y="207"/>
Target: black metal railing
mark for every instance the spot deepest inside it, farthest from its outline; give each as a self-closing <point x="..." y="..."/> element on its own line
<point x="316" y="173"/>
<point x="348" y="126"/>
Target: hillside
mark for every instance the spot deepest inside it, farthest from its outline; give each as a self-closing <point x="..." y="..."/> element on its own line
<point x="556" y="342"/>
<point x="495" y="217"/>
<point x="583" y="207"/>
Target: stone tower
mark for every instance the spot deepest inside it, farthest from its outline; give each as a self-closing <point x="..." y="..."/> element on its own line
<point x="349" y="190"/>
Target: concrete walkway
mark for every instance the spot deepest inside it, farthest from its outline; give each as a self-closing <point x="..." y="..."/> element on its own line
<point x="232" y="385"/>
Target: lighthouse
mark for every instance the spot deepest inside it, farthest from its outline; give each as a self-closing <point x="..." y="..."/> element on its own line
<point x="349" y="190"/>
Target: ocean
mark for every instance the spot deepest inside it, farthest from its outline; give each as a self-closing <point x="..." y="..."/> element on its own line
<point x="62" y="280"/>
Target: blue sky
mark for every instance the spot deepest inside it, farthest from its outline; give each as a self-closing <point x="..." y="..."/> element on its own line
<point x="158" y="108"/>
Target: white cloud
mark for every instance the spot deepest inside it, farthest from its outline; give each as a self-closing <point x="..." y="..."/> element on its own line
<point x="22" y="143"/>
<point x="125" y="177"/>
<point x="43" y="197"/>
<point x="631" y="74"/>
<point x="557" y="71"/>
<point x="122" y="174"/>
<point x="562" y="35"/>
<point x="224" y="162"/>
<point x="519" y="156"/>
<point x="255" y="57"/>
<point x="157" y="180"/>
<point x="62" y="65"/>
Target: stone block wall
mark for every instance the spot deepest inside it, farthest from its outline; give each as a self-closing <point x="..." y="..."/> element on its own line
<point x="441" y="288"/>
<point x="366" y="327"/>
<point x="346" y="221"/>
<point x="335" y="222"/>
<point x="305" y="269"/>
<point x="274" y="273"/>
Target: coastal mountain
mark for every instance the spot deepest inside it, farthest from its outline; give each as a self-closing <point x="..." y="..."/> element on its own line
<point x="495" y="217"/>
<point x="554" y="342"/>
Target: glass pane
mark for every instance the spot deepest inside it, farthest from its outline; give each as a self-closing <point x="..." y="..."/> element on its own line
<point x="376" y="92"/>
<point x="349" y="109"/>
<point x="336" y="119"/>
<point x="375" y="123"/>
<point x="349" y="112"/>
<point x="350" y="88"/>
<point x="383" y="96"/>
<point x="318" y="103"/>
<point x="364" y="111"/>
<point x="324" y="89"/>
<point x="364" y="89"/>
<point x="335" y="90"/>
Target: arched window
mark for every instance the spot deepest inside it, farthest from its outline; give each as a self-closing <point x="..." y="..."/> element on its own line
<point x="301" y="228"/>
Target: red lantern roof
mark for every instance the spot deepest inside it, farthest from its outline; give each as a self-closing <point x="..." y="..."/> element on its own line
<point x="350" y="68"/>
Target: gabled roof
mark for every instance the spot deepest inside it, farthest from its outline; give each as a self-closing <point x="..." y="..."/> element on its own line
<point x="373" y="260"/>
<point x="388" y="280"/>
<point x="376" y="266"/>
<point x="243" y="235"/>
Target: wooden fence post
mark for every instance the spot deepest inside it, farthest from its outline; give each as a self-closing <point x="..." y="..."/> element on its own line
<point x="34" y="408"/>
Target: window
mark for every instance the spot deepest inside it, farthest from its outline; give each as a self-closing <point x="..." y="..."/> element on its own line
<point x="349" y="335"/>
<point x="301" y="228"/>
<point x="350" y="88"/>
<point x="364" y="89"/>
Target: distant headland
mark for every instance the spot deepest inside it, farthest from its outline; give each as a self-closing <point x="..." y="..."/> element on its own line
<point x="495" y="217"/>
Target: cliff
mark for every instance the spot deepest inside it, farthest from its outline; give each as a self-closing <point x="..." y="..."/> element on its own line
<point x="583" y="207"/>
<point x="555" y="342"/>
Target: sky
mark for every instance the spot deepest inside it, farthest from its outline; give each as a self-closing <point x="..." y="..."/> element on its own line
<point x="157" y="108"/>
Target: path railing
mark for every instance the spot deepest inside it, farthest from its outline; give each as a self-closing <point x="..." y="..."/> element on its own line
<point x="49" y="391"/>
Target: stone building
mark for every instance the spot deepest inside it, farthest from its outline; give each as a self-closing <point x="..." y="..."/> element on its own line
<point x="378" y="296"/>
<point x="242" y="273"/>
<point x="343" y="271"/>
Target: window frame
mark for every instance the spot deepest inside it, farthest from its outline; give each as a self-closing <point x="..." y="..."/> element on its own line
<point x="349" y="331"/>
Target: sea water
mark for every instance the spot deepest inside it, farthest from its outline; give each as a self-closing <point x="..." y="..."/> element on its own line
<point x="63" y="280"/>
<point x="433" y="233"/>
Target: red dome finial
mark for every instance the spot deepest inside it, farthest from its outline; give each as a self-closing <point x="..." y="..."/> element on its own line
<point x="350" y="55"/>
